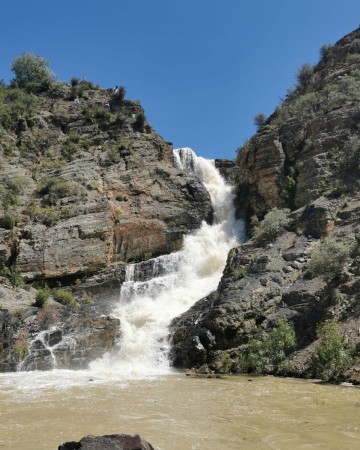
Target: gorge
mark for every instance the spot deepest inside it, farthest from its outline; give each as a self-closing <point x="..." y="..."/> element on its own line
<point x="123" y="260"/>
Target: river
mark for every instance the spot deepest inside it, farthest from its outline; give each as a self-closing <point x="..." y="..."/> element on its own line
<point x="132" y="389"/>
<point x="38" y="411"/>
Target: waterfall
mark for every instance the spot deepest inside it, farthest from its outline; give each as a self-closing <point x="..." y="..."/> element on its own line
<point x="146" y="308"/>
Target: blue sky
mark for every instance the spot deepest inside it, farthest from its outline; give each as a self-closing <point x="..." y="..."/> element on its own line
<point x="201" y="69"/>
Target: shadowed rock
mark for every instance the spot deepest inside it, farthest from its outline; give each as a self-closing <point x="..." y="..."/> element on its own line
<point x="108" y="442"/>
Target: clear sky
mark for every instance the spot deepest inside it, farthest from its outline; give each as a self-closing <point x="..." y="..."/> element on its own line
<point x="201" y="69"/>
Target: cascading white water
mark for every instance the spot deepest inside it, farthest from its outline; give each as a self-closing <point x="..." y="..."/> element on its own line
<point x="146" y="308"/>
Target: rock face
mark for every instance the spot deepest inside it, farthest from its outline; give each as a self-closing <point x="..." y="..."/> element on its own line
<point x="108" y="442"/>
<point x="305" y="158"/>
<point x="308" y="146"/>
<point x="57" y="336"/>
<point x="85" y="187"/>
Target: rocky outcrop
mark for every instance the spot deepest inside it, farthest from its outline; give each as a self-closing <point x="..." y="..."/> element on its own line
<point x="307" y="148"/>
<point x="56" y="335"/>
<point x="304" y="158"/>
<point x="85" y="188"/>
<point x="108" y="442"/>
<point x="258" y="288"/>
<point x="72" y="344"/>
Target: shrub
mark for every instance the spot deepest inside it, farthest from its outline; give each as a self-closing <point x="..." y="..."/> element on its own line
<point x="69" y="151"/>
<point x="15" y="184"/>
<point x="239" y="273"/>
<point x="31" y="70"/>
<point x="73" y="138"/>
<point x="349" y="157"/>
<point x="327" y="261"/>
<point x="112" y="156"/>
<point x="9" y="199"/>
<point x="140" y="121"/>
<point x="64" y="297"/>
<point x="97" y="114"/>
<point x="273" y="224"/>
<point x="304" y="75"/>
<point x="13" y="276"/>
<point x="326" y="51"/>
<point x="332" y="355"/>
<point x="15" y="104"/>
<point x="288" y="190"/>
<point x="54" y="188"/>
<point x="57" y="90"/>
<point x="74" y="81"/>
<point x="8" y="222"/>
<point x="42" y="297"/>
<point x="259" y="120"/>
<point x="268" y="355"/>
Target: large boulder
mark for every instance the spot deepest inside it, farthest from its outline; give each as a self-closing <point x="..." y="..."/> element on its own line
<point x="108" y="442"/>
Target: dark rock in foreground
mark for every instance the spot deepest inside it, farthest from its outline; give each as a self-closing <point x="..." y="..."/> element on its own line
<point x="108" y="442"/>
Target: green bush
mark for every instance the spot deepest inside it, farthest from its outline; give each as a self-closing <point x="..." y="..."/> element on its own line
<point x="273" y="224"/>
<point x="327" y="261"/>
<point x="13" y="276"/>
<point x="140" y="121"/>
<point x="42" y="297"/>
<point x="239" y="273"/>
<point x="268" y="355"/>
<point x="332" y="355"/>
<point x="57" y="90"/>
<point x="112" y="156"/>
<point x="289" y="186"/>
<point x="64" y="297"/>
<point x="32" y="71"/>
<point x="349" y="154"/>
<point x="259" y="120"/>
<point x="8" y="222"/>
<point x="74" y="81"/>
<point x="326" y="51"/>
<point x="15" y="184"/>
<point x="9" y="199"/>
<point x="54" y="188"/>
<point x="73" y="138"/>
<point x="69" y="151"/>
<point x="304" y="75"/>
<point x="97" y="115"/>
<point x="15" y="104"/>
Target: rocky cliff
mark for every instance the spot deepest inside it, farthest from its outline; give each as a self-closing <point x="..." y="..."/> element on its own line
<point x="86" y="185"/>
<point x="300" y="270"/>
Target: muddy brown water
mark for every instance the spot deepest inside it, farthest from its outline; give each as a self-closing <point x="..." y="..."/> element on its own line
<point x="38" y="411"/>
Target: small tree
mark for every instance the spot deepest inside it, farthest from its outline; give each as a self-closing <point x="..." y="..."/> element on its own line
<point x="268" y="355"/>
<point x="32" y="71"/>
<point x="332" y="355"/>
<point x="259" y="120"/>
